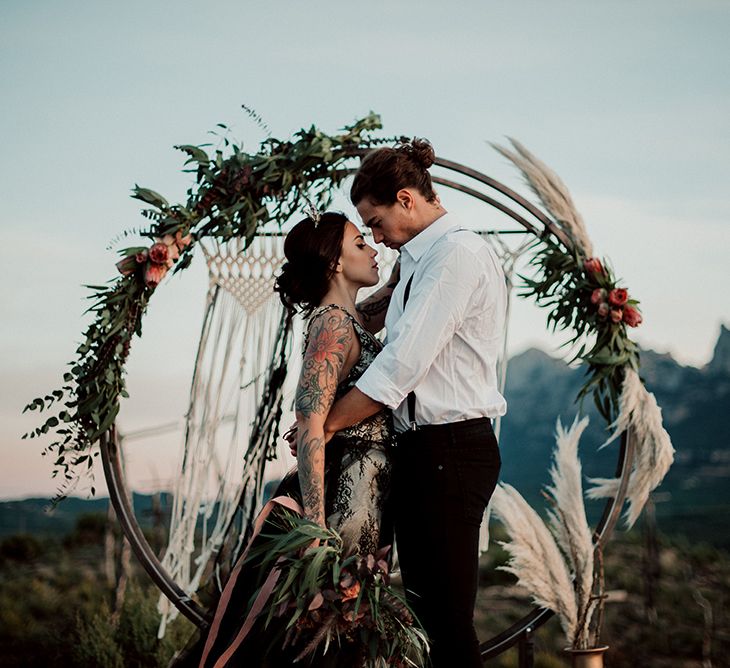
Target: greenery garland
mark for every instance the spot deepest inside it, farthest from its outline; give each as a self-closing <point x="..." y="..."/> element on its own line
<point x="583" y="295"/>
<point x="235" y="193"/>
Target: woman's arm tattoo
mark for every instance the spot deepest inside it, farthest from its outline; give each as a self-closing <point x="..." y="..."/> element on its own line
<point x="330" y="340"/>
<point x="311" y="475"/>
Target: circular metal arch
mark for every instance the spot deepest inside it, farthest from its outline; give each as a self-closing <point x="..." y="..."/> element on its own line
<point x="534" y="221"/>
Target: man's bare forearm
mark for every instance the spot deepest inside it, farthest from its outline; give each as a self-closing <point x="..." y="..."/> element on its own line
<point x="354" y="407"/>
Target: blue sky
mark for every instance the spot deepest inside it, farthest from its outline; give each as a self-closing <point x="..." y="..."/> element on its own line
<point x="628" y="101"/>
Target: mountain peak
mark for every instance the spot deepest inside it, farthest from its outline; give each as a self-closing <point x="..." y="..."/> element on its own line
<point x="720" y="362"/>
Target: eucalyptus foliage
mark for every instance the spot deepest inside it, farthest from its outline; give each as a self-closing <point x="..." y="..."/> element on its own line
<point x="235" y="192"/>
<point x="562" y="284"/>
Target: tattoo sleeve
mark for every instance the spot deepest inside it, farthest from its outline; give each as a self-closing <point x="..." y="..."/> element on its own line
<point x="372" y="310"/>
<point x="329" y="343"/>
<point x="311" y="475"/>
<point x="330" y="340"/>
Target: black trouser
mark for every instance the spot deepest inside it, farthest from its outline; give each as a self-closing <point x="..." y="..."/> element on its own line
<point x="443" y="477"/>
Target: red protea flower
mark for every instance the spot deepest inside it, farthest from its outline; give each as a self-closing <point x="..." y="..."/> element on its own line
<point x="154" y="273"/>
<point x="593" y="265"/>
<point x="598" y="296"/>
<point x="158" y="253"/>
<point x="618" y="296"/>
<point x="632" y="317"/>
<point x="616" y="315"/>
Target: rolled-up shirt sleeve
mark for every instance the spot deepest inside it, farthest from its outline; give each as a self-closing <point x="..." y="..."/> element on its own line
<point x="443" y="285"/>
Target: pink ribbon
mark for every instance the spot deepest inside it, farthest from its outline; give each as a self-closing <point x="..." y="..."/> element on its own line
<point x="263" y="595"/>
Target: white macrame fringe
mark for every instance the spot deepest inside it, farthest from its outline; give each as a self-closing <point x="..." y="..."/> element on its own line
<point x="235" y="349"/>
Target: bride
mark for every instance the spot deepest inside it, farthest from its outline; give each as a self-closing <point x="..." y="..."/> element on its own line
<point x="344" y="485"/>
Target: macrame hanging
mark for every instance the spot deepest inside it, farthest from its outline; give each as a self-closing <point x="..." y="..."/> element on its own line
<point x="243" y="340"/>
<point x="224" y="464"/>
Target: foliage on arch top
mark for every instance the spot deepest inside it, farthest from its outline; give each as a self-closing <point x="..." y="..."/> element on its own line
<point x="235" y="193"/>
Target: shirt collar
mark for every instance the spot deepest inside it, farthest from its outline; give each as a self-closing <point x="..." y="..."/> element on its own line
<point x="428" y="236"/>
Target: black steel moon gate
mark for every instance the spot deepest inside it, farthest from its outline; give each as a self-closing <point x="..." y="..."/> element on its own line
<point x="534" y="221"/>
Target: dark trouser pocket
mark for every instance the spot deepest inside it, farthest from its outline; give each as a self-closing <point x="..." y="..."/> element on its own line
<point x="478" y="472"/>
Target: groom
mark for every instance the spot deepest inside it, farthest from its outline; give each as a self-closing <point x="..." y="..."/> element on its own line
<point x="437" y="372"/>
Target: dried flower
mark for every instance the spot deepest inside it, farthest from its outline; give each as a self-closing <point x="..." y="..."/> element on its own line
<point x="603" y="309"/>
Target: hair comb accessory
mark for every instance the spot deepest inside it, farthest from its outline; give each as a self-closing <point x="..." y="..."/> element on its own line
<point x="312" y="211"/>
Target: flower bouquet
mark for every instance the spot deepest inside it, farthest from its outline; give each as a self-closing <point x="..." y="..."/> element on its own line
<point x="326" y="600"/>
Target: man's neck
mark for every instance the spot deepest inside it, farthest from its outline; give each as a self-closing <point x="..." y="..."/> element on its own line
<point x="429" y="219"/>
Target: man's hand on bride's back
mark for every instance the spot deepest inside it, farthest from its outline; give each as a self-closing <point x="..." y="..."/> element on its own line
<point x="290" y="436"/>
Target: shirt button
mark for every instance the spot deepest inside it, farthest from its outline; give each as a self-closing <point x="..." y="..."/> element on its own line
<point x="440" y="467"/>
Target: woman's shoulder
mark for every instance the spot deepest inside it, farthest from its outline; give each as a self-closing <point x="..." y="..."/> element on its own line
<point x="334" y="309"/>
<point x="330" y="323"/>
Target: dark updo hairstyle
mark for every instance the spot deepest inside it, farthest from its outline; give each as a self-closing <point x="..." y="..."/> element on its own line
<point x="312" y="254"/>
<point x="385" y="171"/>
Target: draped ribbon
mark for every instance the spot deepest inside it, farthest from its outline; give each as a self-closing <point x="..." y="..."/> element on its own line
<point x="263" y="595"/>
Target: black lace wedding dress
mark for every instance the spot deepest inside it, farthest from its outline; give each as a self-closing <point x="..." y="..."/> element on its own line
<point x="357" y="481"/>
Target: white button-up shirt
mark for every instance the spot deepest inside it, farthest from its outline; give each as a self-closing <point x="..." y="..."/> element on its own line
<point x="445" y="344"/>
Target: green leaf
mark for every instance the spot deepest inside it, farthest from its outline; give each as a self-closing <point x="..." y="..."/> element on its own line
<point x="150" y="197"/>
<point x="196" y="153"/>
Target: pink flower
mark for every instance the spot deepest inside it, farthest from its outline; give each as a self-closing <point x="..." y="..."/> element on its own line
<point x="141" y="256"/>
<point x="593" y="265"/>
<point x="158" y="253"/>
<point x="603" y="309"/>
<point x="598" y="296"/>
<point x="618" y="296"/>
<point x="182" y="241"/>
<point x="632" y="317"/>
<point x="350" y="592"/>
<point x="127" y="265"/>
<point x="154" y="273"/>
<point x="616" y="315"/>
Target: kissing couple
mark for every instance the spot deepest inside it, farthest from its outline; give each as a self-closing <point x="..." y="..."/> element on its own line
<point x="394" y="438"/>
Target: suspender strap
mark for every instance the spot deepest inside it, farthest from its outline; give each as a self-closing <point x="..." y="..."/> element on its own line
<point x="411" y="399"/>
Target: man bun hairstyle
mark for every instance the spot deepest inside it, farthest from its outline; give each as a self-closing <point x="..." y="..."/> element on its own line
<point x="385" y="171"/>
<point x="312" y="252"/>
